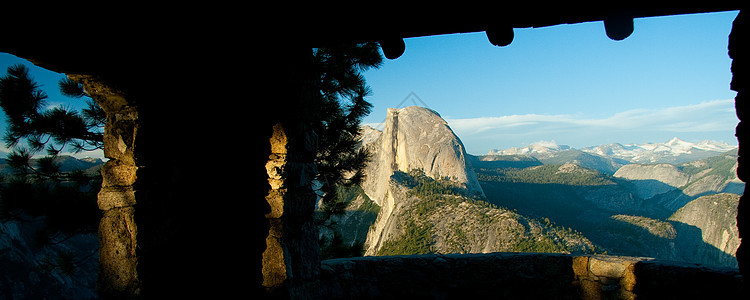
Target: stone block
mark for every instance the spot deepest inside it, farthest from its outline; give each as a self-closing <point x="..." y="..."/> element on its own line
<point x="125" y="113"/>
<point x="275" y="258"/>
<point x="118" y="173"/>
<point x="295" y="205"/>
<point x="108" y="98"/>
<point x="119" y="139"/>
<point x="275" y="168"/>
<point x="278" y="140"/>
<point x="276" y="183"/>
<point x="591" y="289"/>
<point x="628" y="281"/>
<point x="581" y="266"/>
<point x="609" y="266"/>
<point x="117" y="251"/>
<point x="275" y="199"/>
<point x="116" y="197"/>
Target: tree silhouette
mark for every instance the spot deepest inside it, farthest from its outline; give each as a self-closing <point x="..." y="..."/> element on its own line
<point x="39" y="187"/>
<point x="33" y="126"/>
<point x="342" y="105"/>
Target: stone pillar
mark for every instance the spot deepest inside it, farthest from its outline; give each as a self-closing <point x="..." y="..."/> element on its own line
<point x="276" y="263"/>
<point x="738" y="52"/>
<point x="118" y="260"/>
<point x="291" y="259"/>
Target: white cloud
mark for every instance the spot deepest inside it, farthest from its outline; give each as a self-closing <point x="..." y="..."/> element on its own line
<point x="706" y="118"/>
<point x="550" y="144"/>
<point x="54" y="105"/>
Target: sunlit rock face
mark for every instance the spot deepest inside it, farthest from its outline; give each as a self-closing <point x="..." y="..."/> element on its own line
<point x="715" y="217"/>
<point x="414" y="138"/>
<point x="417" y="138"/>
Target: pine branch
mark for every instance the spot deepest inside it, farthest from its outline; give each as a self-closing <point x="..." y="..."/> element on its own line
<point x="342" y="106"/>
<point x="70" y="88"/>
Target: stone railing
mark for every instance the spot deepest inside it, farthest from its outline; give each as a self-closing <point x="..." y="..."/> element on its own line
<point x="522" y="276"/>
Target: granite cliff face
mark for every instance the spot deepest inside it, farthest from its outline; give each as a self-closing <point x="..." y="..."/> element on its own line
<point x="651" y="180"/>
<point x="628" y="213"/>
<point x="673" y="186"/>
<point x="715" y="217"/>
<point x="429" y="200"/>
<point x="423" y="220"/>
<point x="416" y="138"/>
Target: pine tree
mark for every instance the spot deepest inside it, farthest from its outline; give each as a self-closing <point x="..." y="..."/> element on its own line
<point x="39" y="187"/>
<point x="34" y="127"/>
<point x="342" y="106"/>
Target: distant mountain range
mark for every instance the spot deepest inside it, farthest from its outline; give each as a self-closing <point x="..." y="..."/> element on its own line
<point x="66" y="163"/>
<point x="424" y="194"/>
<point x="674" y="151"/>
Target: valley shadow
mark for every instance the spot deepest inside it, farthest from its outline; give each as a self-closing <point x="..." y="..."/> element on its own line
<point x="670" y="202"/>
<point x="344" y="235"/>
<point x="691" y="247"/>
<point x="735" y="188"/>
<point x="564" y="205"/>
<point x="732" y="188"/>
<point x="648" y="188"/>
<point x="560" y="202"/>
<point x="686" y="245"/>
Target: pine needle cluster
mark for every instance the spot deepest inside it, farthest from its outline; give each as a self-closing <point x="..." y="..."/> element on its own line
<point x="37" y="133"/>
<point x="35" y="127"/>
<point x="342" y="106"/>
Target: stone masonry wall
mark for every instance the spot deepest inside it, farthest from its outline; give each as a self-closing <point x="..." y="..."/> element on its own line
<point x="521" y="276"/>
<point x="291" y="259"/>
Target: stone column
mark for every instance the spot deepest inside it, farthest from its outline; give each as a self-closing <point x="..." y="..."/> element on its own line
<point x="738" y="52"/>
<point x="291" y="259"/>
<point x="118" y="260"/>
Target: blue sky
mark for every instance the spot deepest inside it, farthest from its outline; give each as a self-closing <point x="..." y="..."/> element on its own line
<point x="48" y="82"/>
<point x="570" y="84"/>
<point x="567" y="83"/>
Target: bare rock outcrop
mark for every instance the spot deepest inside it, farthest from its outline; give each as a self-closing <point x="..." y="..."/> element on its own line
<point x="651" y="180"/>
<point x="416" y="138"/>
<point x="715" y="218"/>
<point x="675" y="185"/>
<point x="413" y="138"/>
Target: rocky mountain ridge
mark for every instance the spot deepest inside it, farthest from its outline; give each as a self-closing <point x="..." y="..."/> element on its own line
<point x="66" y="163"/>
<point x="416" y="138"/>
<point x="431" y="201"/>
<point x="585" y="202"/>
<point x="427" y="222"/>
<point x="674" y="151"/>
<point x="715" y="216"/>
<point x="413" y="138"/>
<point x="673" y="186"/>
